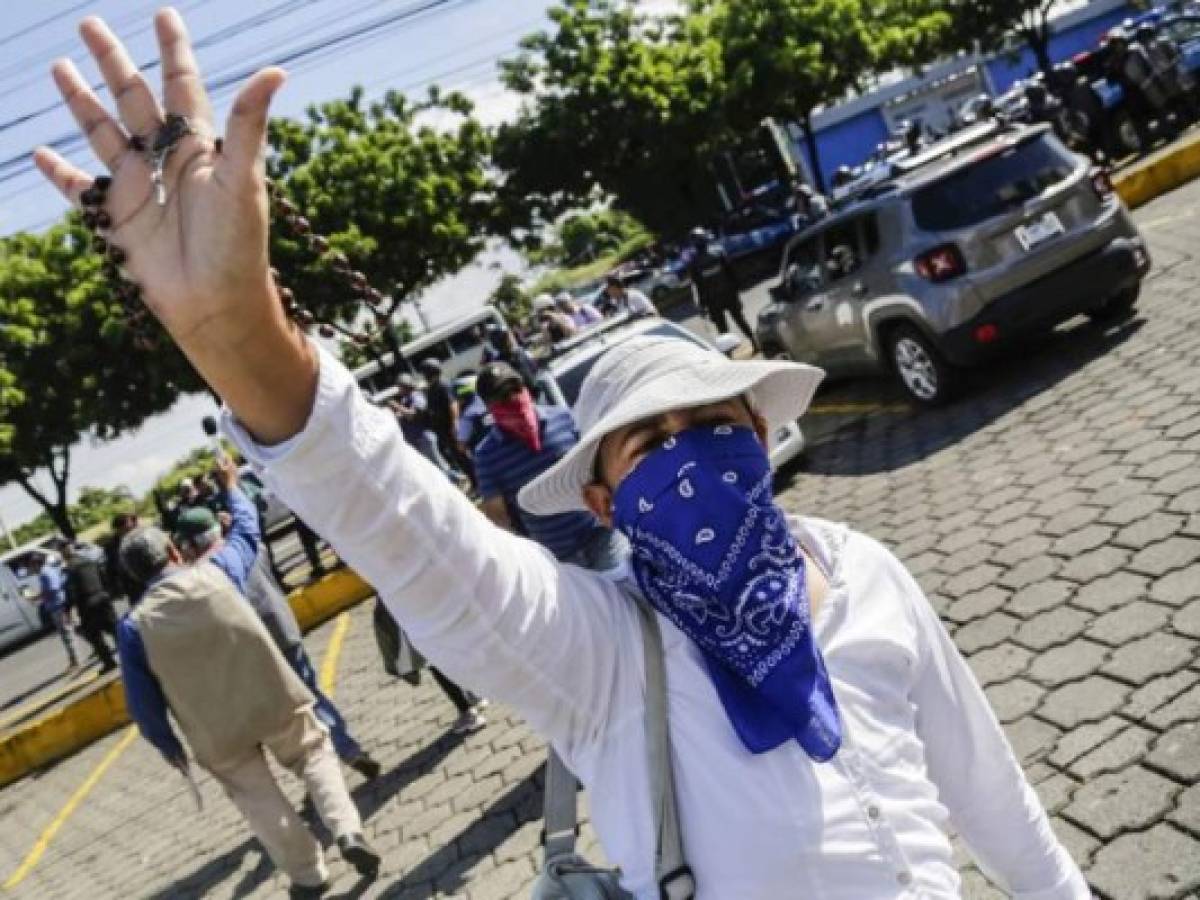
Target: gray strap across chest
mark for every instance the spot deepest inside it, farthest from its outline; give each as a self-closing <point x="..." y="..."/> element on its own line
<point x="672" y="873"/>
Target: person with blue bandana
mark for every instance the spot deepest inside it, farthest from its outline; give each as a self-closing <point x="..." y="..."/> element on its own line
<point x="826" y="736"/>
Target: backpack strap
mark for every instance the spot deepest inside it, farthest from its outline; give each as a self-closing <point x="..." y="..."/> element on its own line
<point x="559" y="815"/>
<point x="674" y="876"/>
<point x="672" y="873"/>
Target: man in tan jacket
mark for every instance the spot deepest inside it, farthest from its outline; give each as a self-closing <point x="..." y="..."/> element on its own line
<point x="191" y="644"/>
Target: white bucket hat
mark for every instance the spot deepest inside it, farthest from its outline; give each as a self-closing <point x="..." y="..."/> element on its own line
<point x="647" y="376"/>
<point x="543" y="303"/>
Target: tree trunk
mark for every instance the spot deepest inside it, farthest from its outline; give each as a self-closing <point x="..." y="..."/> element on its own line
<point x="814" y="153"/>
<point x="1038" y="39"/>
<point x="56" y="509"/>
<point x="388" y="333"/>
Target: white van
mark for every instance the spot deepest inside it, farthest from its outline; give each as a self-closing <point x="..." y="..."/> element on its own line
<point x="458" y="346"/>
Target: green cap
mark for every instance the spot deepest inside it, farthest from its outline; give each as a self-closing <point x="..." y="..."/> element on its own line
<point x="195" y="521"/>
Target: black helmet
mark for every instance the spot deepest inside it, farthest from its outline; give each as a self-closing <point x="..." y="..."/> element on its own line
<point x="1146" y="31"/>
<point x="699" y="236"/>
<point x="430" y="368"/>
<point x="843" y="175"/>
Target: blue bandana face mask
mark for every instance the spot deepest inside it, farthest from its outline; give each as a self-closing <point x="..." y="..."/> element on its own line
<point x="713" y="553"/>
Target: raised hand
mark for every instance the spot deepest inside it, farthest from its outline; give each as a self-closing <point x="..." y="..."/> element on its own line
<point x="200" y="258"/>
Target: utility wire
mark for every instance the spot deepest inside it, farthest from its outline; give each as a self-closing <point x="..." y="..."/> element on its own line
<point x="301" y="58"/>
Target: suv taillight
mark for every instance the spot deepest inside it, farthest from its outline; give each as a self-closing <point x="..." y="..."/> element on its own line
<point x="940" y="264"/>
<point x="1102" y="184"/>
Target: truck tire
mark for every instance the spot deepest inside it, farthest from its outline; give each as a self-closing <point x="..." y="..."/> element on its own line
<point x="925" y="376"/>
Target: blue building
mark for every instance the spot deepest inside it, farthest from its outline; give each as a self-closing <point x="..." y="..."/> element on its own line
<point x="846" y="134"/>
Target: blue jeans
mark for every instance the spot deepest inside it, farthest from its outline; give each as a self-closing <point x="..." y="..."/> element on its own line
<point x="347" y="747"/>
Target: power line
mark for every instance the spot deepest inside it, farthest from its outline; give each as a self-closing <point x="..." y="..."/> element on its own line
<point x="9" y="38"/>
<point x="302" y="58"/>
<point x="236" y="77"/>
<point x="65" y="48"/>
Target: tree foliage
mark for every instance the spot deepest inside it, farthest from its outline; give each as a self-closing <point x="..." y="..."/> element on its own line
<point x="989" y="23"/>
<point x="585" y="236"/>
<point x="511" y="299"/>
<point x="634" y="107"/>
<point x="618" y="105"/>
<point x="69" y="366"/>
<point x="786" y="58"/>
<point x="406" y="202"/>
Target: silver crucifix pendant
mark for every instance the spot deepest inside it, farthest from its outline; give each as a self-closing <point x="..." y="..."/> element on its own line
<point x="174" y="129"/>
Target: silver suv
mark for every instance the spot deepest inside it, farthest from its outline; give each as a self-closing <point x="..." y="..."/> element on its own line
<point x="992" y="234"/>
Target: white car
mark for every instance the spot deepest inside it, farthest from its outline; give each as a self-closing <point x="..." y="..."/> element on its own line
<point x="563" y="374"/>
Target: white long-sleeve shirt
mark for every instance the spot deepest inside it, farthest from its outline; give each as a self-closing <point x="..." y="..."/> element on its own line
<point x="923" y="751"/>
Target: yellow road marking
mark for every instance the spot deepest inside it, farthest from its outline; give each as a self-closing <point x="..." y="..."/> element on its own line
<point x="842" y="409"/>
<point x="77" y="798"/>
<point x="328" y="673"/>
<point x="47" y="699"/>
<point x="332" y="652"/>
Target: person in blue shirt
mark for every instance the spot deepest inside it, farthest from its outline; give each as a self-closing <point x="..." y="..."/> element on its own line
<point x="524" y="441"/>
<point x="53" y="583"/>
<point x="237" y="553"/>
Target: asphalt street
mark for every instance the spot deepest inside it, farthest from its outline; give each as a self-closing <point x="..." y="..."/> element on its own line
<point x="1052" y="515"/>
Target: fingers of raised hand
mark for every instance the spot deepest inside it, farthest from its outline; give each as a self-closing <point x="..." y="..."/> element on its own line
<point x="107" y="138"/>
<point x="246" y="129"/>
<point x="67" y="177"/>
<point x="183" y="87"/>
<point x="139" y="109"/>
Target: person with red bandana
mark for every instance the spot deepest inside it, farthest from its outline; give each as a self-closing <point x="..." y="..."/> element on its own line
<point x="524" y="441"/>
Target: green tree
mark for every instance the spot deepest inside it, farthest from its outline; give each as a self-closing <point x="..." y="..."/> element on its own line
<point x="406" y="202"/>
<point x="511" y="299"/>
<point x="619" y="105"/>
<point x="989" y="24"/>
<point x="355" y="354"/>
<point x="585" y="236"/>
<point x="73" y="367"/>
<point x="786" y="58"/>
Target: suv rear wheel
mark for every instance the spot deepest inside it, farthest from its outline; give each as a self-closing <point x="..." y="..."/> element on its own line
<point x="1117" y="307"/>
<point x="922" y="372"/>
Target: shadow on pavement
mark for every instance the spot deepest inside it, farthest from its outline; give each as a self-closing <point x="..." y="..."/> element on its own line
<point x="442" y="872"/>
<point x="370" y="797"/>
<point x="876" y="443"/>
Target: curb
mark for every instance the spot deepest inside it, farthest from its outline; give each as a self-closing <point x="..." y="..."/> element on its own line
<point x="92" y="716"/>
<point x="1171" y="168"/>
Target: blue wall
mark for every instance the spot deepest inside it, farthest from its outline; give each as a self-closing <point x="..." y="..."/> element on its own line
<point x="1004" y="71"/>
<point x="851" y="141"/>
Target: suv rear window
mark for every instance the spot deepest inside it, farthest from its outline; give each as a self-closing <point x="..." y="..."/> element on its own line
<point x="992" y="185"/>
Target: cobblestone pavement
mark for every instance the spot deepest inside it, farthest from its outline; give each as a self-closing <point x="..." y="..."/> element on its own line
<point x="1053" y="517"/>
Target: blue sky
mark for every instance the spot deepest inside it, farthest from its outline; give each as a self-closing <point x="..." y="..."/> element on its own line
<point x="455" y="44"/>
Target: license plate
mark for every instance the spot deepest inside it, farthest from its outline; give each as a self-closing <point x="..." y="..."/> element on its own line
<point x="1039" y="230"/>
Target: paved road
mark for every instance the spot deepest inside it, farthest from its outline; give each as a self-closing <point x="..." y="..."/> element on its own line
<point x="1053" y="517"/>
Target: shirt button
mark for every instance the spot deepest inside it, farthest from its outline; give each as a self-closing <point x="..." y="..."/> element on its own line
<point x="872" y="811"/>
<point x="905" y="878"/>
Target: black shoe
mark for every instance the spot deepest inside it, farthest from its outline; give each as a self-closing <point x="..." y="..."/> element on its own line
<point x="307" y="891"/>
<point x="356" y="851"/>
<point x="366" y="766"/>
